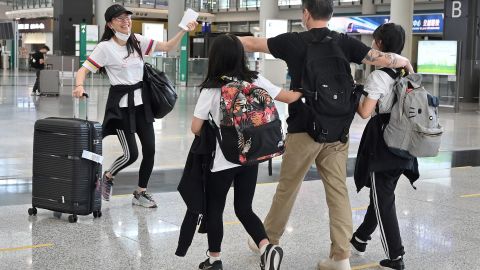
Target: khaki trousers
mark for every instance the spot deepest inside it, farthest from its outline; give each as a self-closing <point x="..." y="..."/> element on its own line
<point x="331" y="161"/>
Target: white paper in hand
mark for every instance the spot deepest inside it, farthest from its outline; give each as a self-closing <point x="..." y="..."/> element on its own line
<point x="189" y="16"/>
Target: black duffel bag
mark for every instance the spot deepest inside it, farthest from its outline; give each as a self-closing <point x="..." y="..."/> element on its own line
<point x="161" y="90"/>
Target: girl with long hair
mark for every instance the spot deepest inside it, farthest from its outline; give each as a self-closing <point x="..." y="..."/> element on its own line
<point x="120" y="55"/>
<point x="227" y="60"/>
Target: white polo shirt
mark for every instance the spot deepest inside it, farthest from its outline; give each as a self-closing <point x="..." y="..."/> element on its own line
<point x="379" y="86"/>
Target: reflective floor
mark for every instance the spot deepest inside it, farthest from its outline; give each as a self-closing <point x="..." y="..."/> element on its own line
<point x="439" y="221"/>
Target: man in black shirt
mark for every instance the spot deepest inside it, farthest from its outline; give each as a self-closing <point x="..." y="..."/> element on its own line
<point x="37" y="61"/>
<point x="301" y="149"/>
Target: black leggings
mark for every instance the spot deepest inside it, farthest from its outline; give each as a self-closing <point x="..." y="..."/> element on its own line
<point x="244" y="180"/>
<point x="37" y="80"/>
<point x="130" y="150"/>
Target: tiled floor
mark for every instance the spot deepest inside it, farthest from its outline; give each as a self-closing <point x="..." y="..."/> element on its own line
<point x="439" y="231"/>
<point x="439" y="221"/>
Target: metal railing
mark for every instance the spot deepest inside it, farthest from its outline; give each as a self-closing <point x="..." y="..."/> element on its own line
<point x="380" y="2"/>
<point x="222" y="5"/>
<point x="144" y="3"/>
<point x="335" y="2"/>
<point x="169" y="65"/>
<point x="29" y="4"/>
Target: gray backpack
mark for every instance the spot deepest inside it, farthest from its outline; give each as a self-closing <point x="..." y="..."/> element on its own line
<point x="414" y="129"/>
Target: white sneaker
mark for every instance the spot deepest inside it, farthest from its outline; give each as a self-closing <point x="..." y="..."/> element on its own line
<point x="330" y="264"/>
<point x="253" y="247"/>
<point x="143" y="199"/>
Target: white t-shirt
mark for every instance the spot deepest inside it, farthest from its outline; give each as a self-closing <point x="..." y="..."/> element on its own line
<point x="379" y="86"/>
<point x="209" y="102"/>
<point x="121" y="70"/>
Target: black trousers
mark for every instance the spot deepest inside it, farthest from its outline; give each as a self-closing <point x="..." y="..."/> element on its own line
<point x="244" y="180"/>
<point x="382" y="211"/>
<point x="37" y="80"/>
<point x="146" y="135"/>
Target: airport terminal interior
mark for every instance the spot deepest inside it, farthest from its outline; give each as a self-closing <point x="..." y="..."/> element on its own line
<point x="438" y="217"/>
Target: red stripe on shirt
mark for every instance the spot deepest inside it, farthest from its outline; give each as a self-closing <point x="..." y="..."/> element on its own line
<point x="147" y="52"/>
<point x="93" y="62"/>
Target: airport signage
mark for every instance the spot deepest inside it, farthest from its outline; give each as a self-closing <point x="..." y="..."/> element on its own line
<point x="456" y="9"/>
<point x="422" y="23"/>
<point x="35" y="25"/>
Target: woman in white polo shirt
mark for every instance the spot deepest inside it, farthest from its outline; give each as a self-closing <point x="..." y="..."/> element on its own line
<point x="120" y="54"/>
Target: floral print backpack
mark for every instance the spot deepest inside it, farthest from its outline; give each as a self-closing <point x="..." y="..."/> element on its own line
<point x="250" y="129"/>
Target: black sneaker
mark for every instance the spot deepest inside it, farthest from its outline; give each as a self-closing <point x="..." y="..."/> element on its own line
<point x="358" y="248"/>
<point x="393" y="264"/>
<point x="271" y="259"/>
<point x="216" y="265"/>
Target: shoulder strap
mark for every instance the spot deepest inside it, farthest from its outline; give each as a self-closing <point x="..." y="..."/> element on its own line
<point x="394" y="75"/>
<point x="216" y="129"/>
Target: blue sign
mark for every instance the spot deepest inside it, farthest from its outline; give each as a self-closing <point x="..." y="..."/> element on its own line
<point x="422" y="23"/>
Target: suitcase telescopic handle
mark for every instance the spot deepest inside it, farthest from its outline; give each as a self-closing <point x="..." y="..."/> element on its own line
<point x="76" y="106"/>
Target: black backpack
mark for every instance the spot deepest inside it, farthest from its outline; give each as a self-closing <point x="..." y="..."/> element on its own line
<point x="330" y="93"/>
<point x="33" y="61"/>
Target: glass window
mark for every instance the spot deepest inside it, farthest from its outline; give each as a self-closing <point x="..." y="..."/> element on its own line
<point x="239" y="27"/>
<point x="254" y="27"/>
<point x="223" y="27"/>
<point x="223" y="4"/>
<point x="206" y="4"/>
<point x="150" y="3"/>
<point x="249" y="3"/>
<point x="289" y="2"/>
<point x="296" y="26"/>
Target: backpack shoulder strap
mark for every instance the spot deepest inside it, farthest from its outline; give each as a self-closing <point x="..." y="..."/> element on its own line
<point x="214" y="126"/>
<point x="394" y="75"/>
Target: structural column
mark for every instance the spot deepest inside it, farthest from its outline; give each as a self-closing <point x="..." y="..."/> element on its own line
<point x="274" y="70"/>
<point x="461" y="24"/>
<point x="268" y="10"/>
<point x="175" y="13"/>
<point x="401" y="12"/>
<point x="368" y="8"/>
<point x="100" y="7"/>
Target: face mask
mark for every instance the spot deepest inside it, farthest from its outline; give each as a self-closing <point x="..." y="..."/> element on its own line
<point x="122" y="36"/>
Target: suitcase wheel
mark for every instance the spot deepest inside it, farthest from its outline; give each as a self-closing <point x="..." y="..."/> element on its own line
<point x="32" y="211"/>
<point x="57" y="215"/>
<point x="97" y="214"/>
<point x="72" y="218"/>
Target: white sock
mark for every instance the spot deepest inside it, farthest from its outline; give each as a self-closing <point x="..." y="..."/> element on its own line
<point x="262" y="249"/>
<point x="214" y="259"/>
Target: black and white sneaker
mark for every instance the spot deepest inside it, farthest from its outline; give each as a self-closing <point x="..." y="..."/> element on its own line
<point x="393" y="264"/>
<point x="143" y="199"/>
<point x="271" y="259"/>
<point x="216" y="265"/>
<point x="358" y="248"/>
